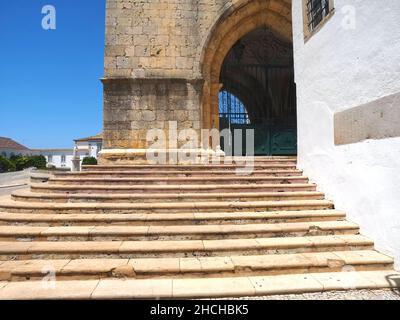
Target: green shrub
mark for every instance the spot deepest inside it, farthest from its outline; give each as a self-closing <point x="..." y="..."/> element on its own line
<point x="39" y="162"/>
<point x="13" y="158"/>
<point x="6" y="165"/>
<point x="22" y="162"/>
<point x="89" y="161"/>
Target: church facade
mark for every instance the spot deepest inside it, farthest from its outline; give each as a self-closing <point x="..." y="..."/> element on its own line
<point x="315" y="78"/>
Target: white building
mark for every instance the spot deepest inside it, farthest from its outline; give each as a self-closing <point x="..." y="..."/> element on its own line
<point x="91" y="145"/>
<point x="58" y="158"/>
<point x="62" y="158"/>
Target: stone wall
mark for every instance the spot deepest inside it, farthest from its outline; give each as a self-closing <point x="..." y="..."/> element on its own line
<point x="152" y="38"/>
<point x="134" y="106"/>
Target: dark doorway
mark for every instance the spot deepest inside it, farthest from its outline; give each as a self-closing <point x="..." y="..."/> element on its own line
<point x="258" y="92"/>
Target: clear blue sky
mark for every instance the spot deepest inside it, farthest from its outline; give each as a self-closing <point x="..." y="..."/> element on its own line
<point x="50" y="92"/>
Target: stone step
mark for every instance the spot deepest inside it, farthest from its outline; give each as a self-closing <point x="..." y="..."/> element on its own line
<point x="259" y="159"/>
<point x="185" y="166"/>
<point x="194" y="218"/>
<point x="171" y="207"/>
<point x="242" y="166"/>
<point x="175" y="173"/>
<point x="188" y="232"/>
<point x="28" y="196"/>
<point x="229" y="266"/>
<point x="221" y="160"/>
<point x="223" y="188"/>
<point x="27" y="250"/>
<point x="179" y="181"/>
<point x="185" y="288"/>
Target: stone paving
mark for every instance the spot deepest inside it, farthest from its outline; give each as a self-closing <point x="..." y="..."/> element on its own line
<point x="15" y="178"/>
<point x="334" y="295"/>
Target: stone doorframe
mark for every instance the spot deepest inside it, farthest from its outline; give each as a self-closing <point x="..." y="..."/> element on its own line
<point x="242" y="17"/>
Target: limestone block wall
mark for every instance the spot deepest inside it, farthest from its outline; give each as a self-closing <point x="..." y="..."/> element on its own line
<point x="150" y="71"/>
<point x="132" y="107"/>
<point x="353" y="63"/>
<point x="151" y="38"/>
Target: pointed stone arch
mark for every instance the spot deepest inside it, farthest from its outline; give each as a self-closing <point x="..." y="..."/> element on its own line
<point x="240" y="18"/>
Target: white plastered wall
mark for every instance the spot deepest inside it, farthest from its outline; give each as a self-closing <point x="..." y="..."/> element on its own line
<point x="338" y="68"/>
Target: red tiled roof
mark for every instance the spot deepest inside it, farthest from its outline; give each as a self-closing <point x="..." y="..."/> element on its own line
<point x="7" y="143"/>
<point x="91" y="138"/>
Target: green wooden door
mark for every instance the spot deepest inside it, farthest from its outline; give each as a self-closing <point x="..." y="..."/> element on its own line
<point x="268" y="140"/>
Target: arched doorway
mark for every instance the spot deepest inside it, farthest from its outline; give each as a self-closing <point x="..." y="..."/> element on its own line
<point x="259" y="70"/>
<point x="242" y="21"/>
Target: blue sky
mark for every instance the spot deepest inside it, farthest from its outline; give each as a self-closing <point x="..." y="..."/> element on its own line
<point x="50" y="92"/>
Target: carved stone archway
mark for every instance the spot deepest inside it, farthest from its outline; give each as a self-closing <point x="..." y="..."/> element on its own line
<point x="238" y="20"/>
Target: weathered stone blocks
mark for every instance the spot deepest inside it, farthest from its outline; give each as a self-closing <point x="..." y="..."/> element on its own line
<point x="132" y="107"/>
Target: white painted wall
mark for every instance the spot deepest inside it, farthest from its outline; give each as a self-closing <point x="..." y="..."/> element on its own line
<point x="340" y="68"/>
<point x="55" y="158"/>
<point x="92" y="147"/>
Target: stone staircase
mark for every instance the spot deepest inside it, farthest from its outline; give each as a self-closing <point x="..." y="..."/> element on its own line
<point x="181" y="231"/>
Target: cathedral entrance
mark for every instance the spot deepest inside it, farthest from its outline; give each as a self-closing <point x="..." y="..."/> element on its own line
<point x="258" y="92"/>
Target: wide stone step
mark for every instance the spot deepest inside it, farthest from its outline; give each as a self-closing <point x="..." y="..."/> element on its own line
<point x="82" y="219"/>
<point x="222" y="287"/>
<point x="171" y="207"/>
<point x="188" y="232"/>
<point x="179" y="181"/>
<point x="231" y="160"/>
<point x="164" y="197"/>
<point x="177" y="173"/>
<point x="229" y="266"/>
<point x="223" y="188"/>
<point x="20" y="250"/>
<point x="273" y="165"/>
<point x="260" y="158"/>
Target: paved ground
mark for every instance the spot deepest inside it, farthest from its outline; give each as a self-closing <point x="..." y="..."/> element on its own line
<point x="15" y="178"/>
<point x="8" y="191"/>
<point x="12" y="181"/>
<point x="336" y="295"/>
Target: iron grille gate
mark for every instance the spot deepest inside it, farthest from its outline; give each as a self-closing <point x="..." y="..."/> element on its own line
<point x="262" y="98"/>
